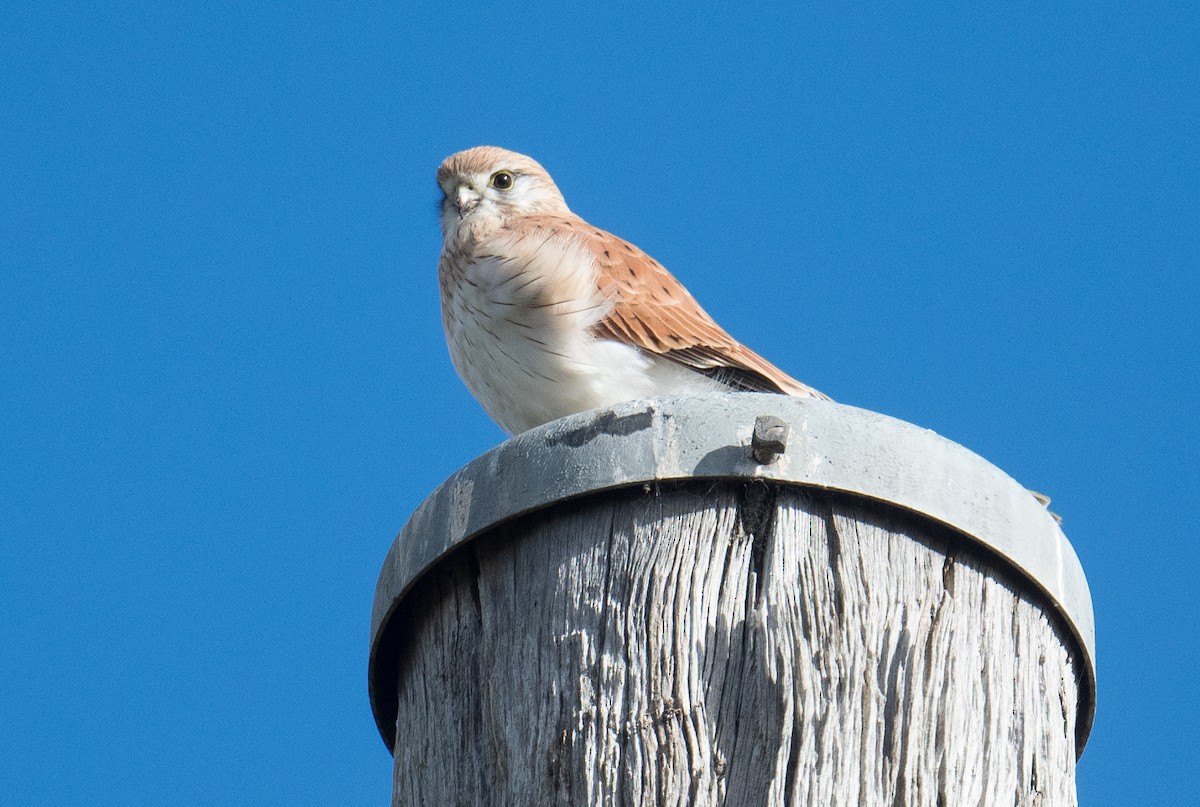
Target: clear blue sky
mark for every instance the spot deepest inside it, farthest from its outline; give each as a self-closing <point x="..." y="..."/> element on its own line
<point x="223" y="384"/>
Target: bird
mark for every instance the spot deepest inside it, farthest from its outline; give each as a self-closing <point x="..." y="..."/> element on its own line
<point x="546" y="315"/>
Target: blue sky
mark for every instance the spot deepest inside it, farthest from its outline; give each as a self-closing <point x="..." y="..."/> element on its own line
<point x="223" y="384"/>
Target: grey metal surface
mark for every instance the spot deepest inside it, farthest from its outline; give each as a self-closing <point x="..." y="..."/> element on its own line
<point x="828" y="446"/>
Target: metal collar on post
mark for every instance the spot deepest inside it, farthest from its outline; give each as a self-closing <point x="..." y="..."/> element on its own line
<point x="797" y="441"/>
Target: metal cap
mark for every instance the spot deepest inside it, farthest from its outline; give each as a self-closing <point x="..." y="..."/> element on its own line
<point x="798" y="441"/>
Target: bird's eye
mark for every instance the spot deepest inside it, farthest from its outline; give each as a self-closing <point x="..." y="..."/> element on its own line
<point x="501" y="180"/>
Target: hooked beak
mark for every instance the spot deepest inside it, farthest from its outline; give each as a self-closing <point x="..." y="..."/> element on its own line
<point x="466" y="199"/>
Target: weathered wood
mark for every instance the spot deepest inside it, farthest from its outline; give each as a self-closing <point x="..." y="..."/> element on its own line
<point x="737" y="643"/>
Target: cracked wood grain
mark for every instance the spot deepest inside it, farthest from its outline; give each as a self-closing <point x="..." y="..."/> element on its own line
<point x="729" y="643"/>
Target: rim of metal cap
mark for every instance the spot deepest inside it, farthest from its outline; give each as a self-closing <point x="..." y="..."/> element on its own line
<point x="828" y="446"/>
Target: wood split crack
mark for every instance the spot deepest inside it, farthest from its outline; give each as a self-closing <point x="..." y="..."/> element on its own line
<point x="835" y="558"/>
<point x="756" y="516"/>
<point x="473" y="574"/>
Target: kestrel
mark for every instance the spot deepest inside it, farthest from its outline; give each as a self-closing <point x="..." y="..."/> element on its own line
<point x="546" y="315"/>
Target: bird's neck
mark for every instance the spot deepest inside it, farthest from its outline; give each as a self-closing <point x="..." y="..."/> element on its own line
<point x="466" y="232"/>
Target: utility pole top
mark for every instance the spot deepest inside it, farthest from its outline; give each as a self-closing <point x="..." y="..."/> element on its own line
<point x="816" y="448"/>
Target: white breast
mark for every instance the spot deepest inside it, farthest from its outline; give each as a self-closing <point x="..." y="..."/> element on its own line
<point x="517" y="327"/>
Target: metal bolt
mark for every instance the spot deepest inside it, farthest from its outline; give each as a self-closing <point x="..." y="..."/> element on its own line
<point x="770" y="438"/>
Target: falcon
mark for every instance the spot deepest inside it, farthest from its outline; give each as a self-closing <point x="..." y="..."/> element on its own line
<point x="547" y="315"/>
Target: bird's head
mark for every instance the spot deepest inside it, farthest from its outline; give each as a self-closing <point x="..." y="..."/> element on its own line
<point x="485" y="186"/>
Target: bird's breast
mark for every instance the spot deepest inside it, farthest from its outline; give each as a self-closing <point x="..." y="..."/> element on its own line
<point x="519" y="325"/>
<point x="517" y="329"/>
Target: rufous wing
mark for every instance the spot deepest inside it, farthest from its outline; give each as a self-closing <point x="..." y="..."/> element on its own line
<point x="653" y="311"/>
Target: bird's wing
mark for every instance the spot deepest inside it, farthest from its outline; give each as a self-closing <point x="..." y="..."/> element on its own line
<point x="652" y="310"/>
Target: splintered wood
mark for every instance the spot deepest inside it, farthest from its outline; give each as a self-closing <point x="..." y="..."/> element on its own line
<point x="729" y="643"/>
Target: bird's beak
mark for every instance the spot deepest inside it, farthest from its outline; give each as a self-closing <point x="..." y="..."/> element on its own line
<point x="466" y="199"/>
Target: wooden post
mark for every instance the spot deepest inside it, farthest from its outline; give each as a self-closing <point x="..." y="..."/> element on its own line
<point x="664" y="604"/>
